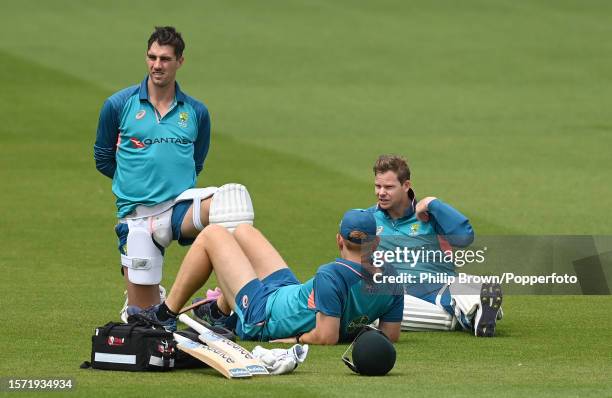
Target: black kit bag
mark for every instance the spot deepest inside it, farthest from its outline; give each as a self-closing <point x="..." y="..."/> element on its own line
<point x="142" y="345"/>
<point x="136" y="346"/>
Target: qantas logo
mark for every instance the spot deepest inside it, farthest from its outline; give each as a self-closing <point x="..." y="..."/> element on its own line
<point x="171" y="140"/>
<point x="136" y="143"/>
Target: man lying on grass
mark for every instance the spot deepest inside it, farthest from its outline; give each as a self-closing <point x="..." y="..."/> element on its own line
<point x="269" y="301"/>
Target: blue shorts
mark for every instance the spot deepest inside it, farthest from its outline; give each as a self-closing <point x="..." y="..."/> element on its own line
<point x="251" y="302"/>
<point x="178" y="214"/>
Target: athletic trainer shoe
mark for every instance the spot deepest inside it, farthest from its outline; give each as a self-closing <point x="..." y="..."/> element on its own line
<point x="150" y="314"/>
<point x="123" y="313"/>
<point x="204" y="313"/>
<point x="488" y="310"/>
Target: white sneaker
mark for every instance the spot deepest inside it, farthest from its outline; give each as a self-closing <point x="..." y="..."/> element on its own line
<point x="123" y="313"/>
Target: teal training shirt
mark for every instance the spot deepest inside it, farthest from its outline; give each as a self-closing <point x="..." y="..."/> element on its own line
<point x="151" y="159"/>
<point x="445" y="229"/>
<point x="342" y="289"/>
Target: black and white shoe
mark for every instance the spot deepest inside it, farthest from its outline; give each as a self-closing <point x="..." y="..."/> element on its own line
<point x="488" y="310"/>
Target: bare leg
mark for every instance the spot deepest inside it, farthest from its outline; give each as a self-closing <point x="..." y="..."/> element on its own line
<point x="142" y="296"/>
<point x="264" y="258"/>
<point x="231" y="265"/>
<point x="223" y="305"/>
<point x="192" y="275"/>
<point x="214" y="248"/>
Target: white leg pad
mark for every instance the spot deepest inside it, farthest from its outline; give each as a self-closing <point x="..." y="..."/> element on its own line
<point x="231" y="206"/>
<point x="160" y="226"/>
<point x="421" y="315"/>
<point x="197" y="195"/>
<point x="144" y="259"/>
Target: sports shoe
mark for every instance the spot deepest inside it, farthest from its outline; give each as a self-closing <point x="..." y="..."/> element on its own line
<point x="150" y="314"/>
<point x="123" y="313"/>
<point x="488" y="310"/>
<point x="204" y="314"/>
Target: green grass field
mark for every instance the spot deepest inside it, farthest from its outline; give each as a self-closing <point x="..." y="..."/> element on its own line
<point x="502" y="108"/>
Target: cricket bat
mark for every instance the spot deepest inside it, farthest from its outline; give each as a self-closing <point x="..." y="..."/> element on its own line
<point x="239" y="354"/>
<point x="215" y="358"/>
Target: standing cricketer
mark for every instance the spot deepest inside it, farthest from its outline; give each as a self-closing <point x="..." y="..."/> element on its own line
<point x="269" y="301"/>
<point x="430" y="224"/>
<point x="152" y="141"/>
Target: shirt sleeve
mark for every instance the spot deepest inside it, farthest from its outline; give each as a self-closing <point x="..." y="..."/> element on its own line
<point x="202" y="143"/>
<point x="106" y="140"/>
<point x="449" y="222"/>
<point x="329" y="299"/>
<point x="396" y="312"/>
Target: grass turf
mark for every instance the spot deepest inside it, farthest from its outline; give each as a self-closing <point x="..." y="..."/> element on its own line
<point x="502" y="110"/>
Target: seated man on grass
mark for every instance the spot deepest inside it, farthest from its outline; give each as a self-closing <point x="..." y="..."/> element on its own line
<point x="270" y="302"/>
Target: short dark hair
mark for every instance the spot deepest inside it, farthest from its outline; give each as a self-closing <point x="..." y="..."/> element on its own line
<point x="168" y="36"/>
<point x="394" y="163"/>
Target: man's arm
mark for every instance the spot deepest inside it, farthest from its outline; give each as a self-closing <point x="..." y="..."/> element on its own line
<point x="106" y="140"/>
<point x="326" y="331"/>
<point x="449" y="222"/>
<point x="202" y="143"/>
<point x="391" y="330"/>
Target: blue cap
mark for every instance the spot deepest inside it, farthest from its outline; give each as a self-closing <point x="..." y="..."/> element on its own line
<point x="358" y="220"/>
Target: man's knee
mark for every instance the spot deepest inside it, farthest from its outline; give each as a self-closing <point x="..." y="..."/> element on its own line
<point x="243" y="229"/>
<point x="213" y="231"/>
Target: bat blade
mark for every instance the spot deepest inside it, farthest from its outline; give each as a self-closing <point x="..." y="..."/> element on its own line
<point x="240" y="354"/>
<point x="215" y="358"/>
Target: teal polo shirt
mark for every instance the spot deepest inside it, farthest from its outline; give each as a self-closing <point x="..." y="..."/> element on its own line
<point x="446" y="228"/>
<point x="341" y="289"/>
<point x="150" y="158"/>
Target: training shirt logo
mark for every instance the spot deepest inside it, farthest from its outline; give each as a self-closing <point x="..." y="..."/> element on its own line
<point x="245" y="301"/>
<point x="148" y="141"/>
<point x="183" y="117"/>
<point x="356" y="324"/>
<point x="136" y="143"/>
<point x="414" y="229"/>
<point x="141" y="114"/>
<point x="379" y="229"/>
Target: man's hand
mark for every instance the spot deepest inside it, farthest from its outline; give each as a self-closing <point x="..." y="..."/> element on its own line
<point x="421" y="208"/>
